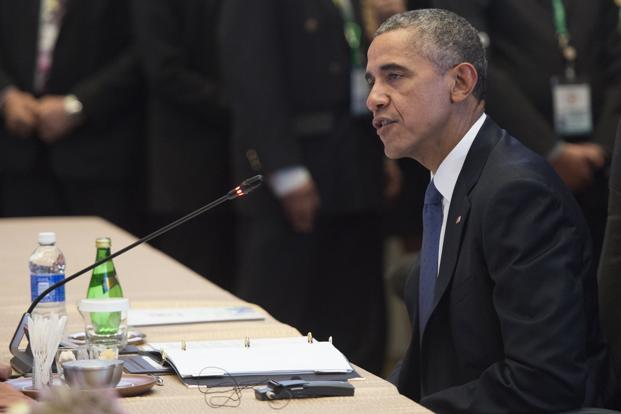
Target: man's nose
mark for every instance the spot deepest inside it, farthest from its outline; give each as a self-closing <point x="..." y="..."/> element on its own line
<point x="376" y="99"/>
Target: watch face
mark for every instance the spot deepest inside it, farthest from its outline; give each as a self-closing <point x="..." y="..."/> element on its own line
<point x="72" y="105"/>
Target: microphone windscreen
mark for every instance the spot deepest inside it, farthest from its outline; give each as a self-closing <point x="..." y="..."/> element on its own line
<point x="251" y="183"/>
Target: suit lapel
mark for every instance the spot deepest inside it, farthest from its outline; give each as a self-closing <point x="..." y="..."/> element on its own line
<point x="69" y="41"/>
<point x="70" y="14"/>
<point x="460" y="205"/>
<point x="455" y="223"/>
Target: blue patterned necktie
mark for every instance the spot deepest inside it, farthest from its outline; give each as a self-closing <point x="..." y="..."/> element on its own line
<point x="432" y="224"/>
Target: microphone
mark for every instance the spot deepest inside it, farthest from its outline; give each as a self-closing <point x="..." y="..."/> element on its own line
<point x="22" y="360"/>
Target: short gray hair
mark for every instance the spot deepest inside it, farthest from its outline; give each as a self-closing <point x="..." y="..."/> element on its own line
<point x="445" y="39"/>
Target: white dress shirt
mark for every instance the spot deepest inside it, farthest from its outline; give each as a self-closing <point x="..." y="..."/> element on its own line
<point x="446" y="176"/>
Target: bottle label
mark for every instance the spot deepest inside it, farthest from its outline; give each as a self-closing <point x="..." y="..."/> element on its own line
<point x="40" y="282"/>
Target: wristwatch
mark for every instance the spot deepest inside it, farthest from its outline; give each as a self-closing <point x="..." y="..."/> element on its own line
<point x="73" y="106"/>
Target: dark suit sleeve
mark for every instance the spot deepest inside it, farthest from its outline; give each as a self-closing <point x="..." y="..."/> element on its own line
<point x="610" y="280"/>
<point x="158" y="34"/>
<point x="5" y="80"/>
<point x="254" y="68"/>
<point x="111" y="90"/>
<point x="109" y="78"/>
<point x="5" y="83"/>
<point x="536" y="259"/>
<point x="521" y="117"/>
<point x="610" y="112"/>
<point x="609" y="272"/>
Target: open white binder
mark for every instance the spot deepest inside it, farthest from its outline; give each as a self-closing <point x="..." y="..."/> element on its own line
<point x="270" y="356"/>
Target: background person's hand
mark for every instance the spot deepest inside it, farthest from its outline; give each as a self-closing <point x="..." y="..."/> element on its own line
<point x="20" y="112"/>
<point x="54" y="121"/>
<point x="577" y="162"/>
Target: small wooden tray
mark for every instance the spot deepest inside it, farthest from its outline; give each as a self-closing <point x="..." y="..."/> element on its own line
<point x="129" y="386"/>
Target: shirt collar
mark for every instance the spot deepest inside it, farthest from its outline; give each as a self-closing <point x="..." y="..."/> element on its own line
<point x="446" y="176"/>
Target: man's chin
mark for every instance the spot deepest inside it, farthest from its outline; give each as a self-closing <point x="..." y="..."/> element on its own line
<point x="391" y="153"/>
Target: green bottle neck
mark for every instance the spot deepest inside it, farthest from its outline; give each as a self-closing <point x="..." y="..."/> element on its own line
<point x="107" y="267"/>
<point x="102" y="253"/>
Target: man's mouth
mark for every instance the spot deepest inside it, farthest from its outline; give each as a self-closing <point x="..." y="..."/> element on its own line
<point x="380" y="123"/>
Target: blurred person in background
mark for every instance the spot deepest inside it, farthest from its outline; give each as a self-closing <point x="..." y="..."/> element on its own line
<point x="70" y="110"/>
<point x="188" y="161"/>
<point x="310" y="242"/>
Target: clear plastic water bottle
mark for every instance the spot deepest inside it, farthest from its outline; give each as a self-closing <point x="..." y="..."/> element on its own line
<point x="47" y="266"/>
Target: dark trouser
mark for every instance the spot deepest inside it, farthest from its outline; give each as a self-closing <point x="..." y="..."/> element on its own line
<point x="206" y="244"/>
<point x="594" y="204"/>
<point x="328" y="282"/>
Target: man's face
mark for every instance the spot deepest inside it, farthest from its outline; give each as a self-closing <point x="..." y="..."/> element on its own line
<point x="409" y="99"/>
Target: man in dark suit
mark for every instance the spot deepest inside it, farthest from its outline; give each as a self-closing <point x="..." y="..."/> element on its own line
<point x="69" y="88"/>
<point x="528" y="66"/>
<point x="609" y="272"/>
<point x="188" y="162"/>
<point x="504" y="313"/>
<point x="310" y="242"/>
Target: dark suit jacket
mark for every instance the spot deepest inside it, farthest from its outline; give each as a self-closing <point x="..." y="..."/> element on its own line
<point x="287" y="67"/>
<point x="92" y="60"/>
<point x="609" y="272"/>
<point x="188" y="126"/>
<point x="514" y="328"/>
<point x="524" y="55"/>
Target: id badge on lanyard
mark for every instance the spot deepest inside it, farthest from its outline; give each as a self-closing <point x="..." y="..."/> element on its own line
<point x="572" y="107"/>
<point x="571" y="97"/>
<point x="359" y="87"/>
<point x="359" y="91"/>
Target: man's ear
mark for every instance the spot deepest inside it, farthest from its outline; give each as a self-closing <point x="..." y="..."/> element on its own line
<point x="465" y="78"/>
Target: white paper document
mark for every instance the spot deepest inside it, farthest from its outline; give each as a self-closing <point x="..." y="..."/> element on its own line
<point x="171" y="316"/>
<point x="262" y="356"/>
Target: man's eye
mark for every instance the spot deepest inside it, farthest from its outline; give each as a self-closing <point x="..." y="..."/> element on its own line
<point x="394" y="76"/>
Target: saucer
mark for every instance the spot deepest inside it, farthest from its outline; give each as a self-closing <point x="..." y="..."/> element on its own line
<point x="133" y="338"/>
<point x="129" y="386"/>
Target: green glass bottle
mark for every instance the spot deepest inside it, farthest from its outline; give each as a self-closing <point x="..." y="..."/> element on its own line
<point x="104" y="284"/>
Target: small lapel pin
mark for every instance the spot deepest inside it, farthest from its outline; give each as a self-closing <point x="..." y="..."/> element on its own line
<point x="458" y="220"/>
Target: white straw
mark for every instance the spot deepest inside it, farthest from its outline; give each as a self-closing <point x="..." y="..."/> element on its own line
<point x="45" y="335"/>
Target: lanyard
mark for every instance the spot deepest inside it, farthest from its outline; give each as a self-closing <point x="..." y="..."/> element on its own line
<point x="568" y="51"/>
<point x="352" y="30"/>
